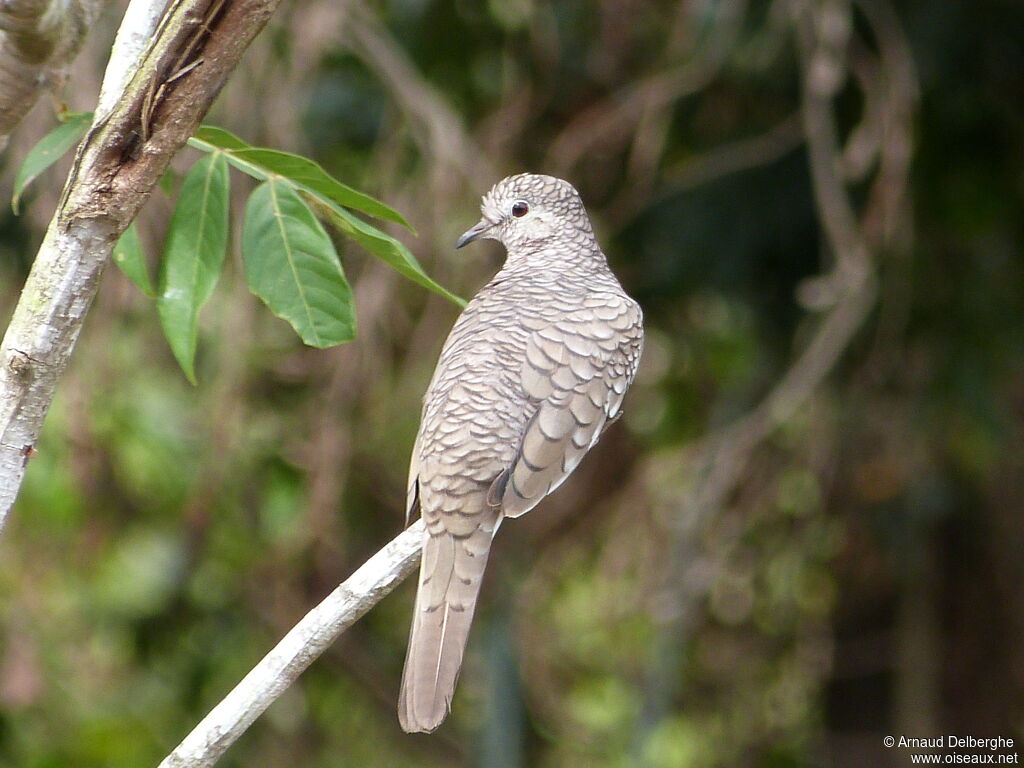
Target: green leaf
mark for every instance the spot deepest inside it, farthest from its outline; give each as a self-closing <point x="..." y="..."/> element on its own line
<point x="331" y="197"/>
<point x="263" y="163"/>
<point x="291" y="264"/>
<point x="51" y="148"/>
<point x="129" y="257"/>
<point x="210" y="137"/>
<point x="168" y="182"/>
<point x="386" y="248"/>
<point x="197" y="239"/>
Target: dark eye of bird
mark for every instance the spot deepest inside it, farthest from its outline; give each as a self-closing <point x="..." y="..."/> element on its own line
<point x="520" y="208"/>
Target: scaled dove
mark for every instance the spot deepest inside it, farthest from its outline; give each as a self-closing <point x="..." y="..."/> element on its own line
<point x="532" y="373"/>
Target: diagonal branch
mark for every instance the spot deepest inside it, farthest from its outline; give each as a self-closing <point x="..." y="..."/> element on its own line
<point x="196" y="46"/>
<point x="313" y="635"/>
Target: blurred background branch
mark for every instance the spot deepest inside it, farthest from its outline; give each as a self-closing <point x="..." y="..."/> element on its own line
<point x="38" y="41"/>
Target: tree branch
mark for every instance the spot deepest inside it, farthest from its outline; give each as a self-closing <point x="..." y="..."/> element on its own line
<point x="314" y="634"/>
<point x="140" y="21"/>
<point x="196" y="46"/>
<point x="38" y="39"/>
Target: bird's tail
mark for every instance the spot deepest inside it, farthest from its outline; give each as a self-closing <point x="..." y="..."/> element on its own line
<point x="450" y="574"/>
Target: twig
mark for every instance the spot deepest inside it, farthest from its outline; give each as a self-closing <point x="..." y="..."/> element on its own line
<point x="821" y="36"/>
<point x="314" y="633"/>
<point x="890" y="219"/>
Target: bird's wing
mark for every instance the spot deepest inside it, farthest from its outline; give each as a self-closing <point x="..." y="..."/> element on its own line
<point x="412" y="498"/>
<point x="577" y="370"/>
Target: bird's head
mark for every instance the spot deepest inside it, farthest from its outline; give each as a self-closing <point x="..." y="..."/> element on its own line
<point x="530" y="210"/>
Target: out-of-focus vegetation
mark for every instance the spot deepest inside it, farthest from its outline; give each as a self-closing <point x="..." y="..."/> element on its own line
<point x="727" y="580"/>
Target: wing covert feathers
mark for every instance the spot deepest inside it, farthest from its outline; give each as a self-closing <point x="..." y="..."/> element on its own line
<point x="578" y="370"/>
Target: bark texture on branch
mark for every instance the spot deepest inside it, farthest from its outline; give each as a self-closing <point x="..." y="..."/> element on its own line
<point x="38" y="40"/>
<point x="196" y="45"/>
<point x="138" y="25"/>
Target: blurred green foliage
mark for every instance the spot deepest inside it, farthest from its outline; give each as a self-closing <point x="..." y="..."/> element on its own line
<point x="862" y="576"/>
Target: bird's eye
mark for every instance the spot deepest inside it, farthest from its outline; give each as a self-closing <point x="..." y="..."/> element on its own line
<point x="520" y="208"/>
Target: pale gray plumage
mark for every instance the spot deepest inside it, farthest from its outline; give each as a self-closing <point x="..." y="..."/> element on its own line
<point x="532" y="373"/>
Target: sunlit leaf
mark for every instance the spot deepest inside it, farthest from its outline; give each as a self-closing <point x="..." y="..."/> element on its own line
<point x="130" y="258"/>
<point x="263" y="163"/>
<point x="210" y="137"/>
<point x="332" y="198"/>
<point x="386" y="248"/>
<point x="193" y="256"/>
<point x="51" y="148"/>
<point x="291" y="264"/>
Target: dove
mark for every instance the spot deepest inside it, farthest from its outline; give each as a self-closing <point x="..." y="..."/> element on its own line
<point x="533" y="372"/>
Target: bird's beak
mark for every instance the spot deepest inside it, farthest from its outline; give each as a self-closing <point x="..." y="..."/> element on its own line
<point x="480" y="229"/>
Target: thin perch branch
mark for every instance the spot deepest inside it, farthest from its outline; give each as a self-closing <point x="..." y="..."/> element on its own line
<point x="314" y="634"/>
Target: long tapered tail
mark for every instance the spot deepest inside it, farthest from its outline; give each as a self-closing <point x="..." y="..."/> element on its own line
<point x="450" y="575"/>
